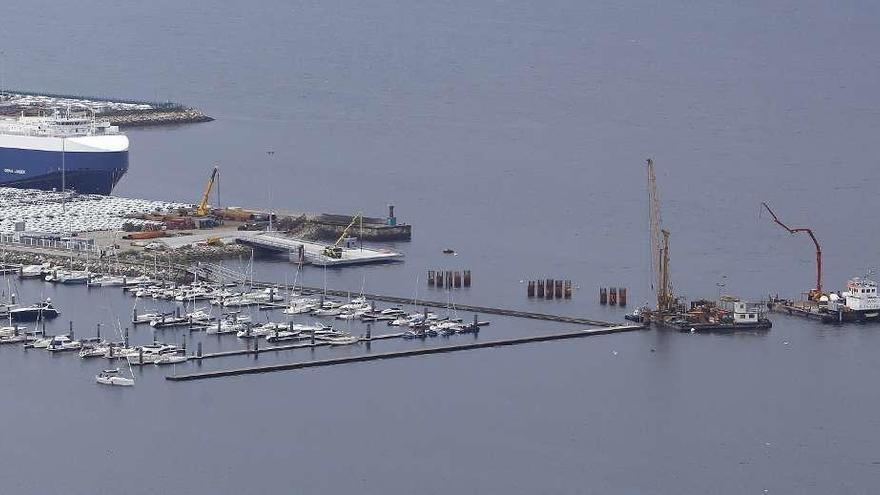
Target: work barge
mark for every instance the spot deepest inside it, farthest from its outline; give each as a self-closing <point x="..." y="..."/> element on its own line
<point x="727" y="315"/>
<point x="857" y="303"/>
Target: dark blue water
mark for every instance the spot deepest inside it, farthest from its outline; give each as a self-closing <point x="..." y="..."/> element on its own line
<point x="515" y="133"/>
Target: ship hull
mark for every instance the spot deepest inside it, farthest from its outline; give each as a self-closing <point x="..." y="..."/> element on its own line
<point x="88" y="164"/>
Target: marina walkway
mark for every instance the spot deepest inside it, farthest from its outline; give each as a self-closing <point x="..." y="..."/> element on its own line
<point x="403" y="354"/>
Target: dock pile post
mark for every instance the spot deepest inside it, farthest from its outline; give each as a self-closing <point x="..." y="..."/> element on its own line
<point x="448" y="279"/>
<point x="614" y="296"/>
<point x="549" y="289"/>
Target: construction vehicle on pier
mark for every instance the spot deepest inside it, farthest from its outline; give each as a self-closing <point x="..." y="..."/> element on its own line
<point x="816" y="293"/>
<point x="202" y="208"/>
<point x="335" y="250"/>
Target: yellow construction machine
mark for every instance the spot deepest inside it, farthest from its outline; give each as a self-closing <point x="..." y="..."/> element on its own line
<point x="202" y="208"/>
<point x="335" y="250"/>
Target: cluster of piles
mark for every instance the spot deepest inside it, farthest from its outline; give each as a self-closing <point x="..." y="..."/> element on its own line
<point x="612" y="295"/>
<point x="549" y="289"/>
<point x="449" y="279"/>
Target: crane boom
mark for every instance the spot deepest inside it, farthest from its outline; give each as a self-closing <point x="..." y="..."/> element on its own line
<point x="660" y="280"/>
<point x="335" y="251"/>
<point x="817" y="292"/>
<point x="202" y="208"/>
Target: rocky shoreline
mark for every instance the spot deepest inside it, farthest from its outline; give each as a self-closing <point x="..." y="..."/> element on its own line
<point x="120" y="112"/>
<point x="156" y="117"/>
<point x="167" y="265"/>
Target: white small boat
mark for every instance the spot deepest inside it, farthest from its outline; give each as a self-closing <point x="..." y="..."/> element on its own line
<point x="149" y="354"/>
<point x="146" y="318"/>
<point x="264" y="330"/>
<point x="68" y="277"/>
<point x="230" y="324"/>
<point x="93" y="351"/>
<point x="108" y="281"/>
<point x="344" y="340"/>
<point x="120" y="352"/>
<point x="139" y="280"/>
<point x="169" y="359"/>
<point x="301" y="306"/>
<point x="12" y="331"/>
<point x="327" y="335"/>
<point x="392" y="312"/>
<point x="16" y="339"/>
<point x="32" y="271"/>
<point x="282" y="335"/>
<point x="200" y="315"/>
<point x="327" y="312"/>
<point x="170" y="321"/>
<point x="42" y="343"/>
<point x="356" y="304"/>
<point x="351" y="316"/>
<point x="112" y="377"/>
<point x="34" y="312"/>
<point x="296" y="331"/>
<point x="63" y="343"/>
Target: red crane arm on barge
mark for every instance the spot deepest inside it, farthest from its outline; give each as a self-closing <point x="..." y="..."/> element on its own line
<point x="817" y="292"/>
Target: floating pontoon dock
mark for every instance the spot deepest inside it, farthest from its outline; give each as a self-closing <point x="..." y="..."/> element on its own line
<point x="402" y="354"/>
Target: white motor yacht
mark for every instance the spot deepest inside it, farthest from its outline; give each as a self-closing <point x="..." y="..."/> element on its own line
<point x="170" y="359"/>
<point x="264" y="330"/>
<point x="301" y="306"/>
<point x="63" y="343"/>
<point x="146" y="318"/>
<point x="107" y="281"/>
<point x="327" y="312"/>
<point x="32" y="271"/>
<point x="343" y="340"/>
<point x="42" y="342"/>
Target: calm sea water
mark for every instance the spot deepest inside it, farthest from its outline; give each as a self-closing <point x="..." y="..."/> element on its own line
<point x="515" y="133"/>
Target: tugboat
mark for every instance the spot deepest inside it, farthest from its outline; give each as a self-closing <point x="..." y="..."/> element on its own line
<point x="36" y="312"/>
<point x="858" y="303"/>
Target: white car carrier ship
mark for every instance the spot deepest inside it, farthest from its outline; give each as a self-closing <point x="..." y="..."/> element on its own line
<point x="62" y="151"/>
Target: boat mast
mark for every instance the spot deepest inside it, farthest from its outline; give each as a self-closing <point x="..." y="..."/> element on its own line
<point x="660" y="281"/>
<point x="63" y="176"/>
